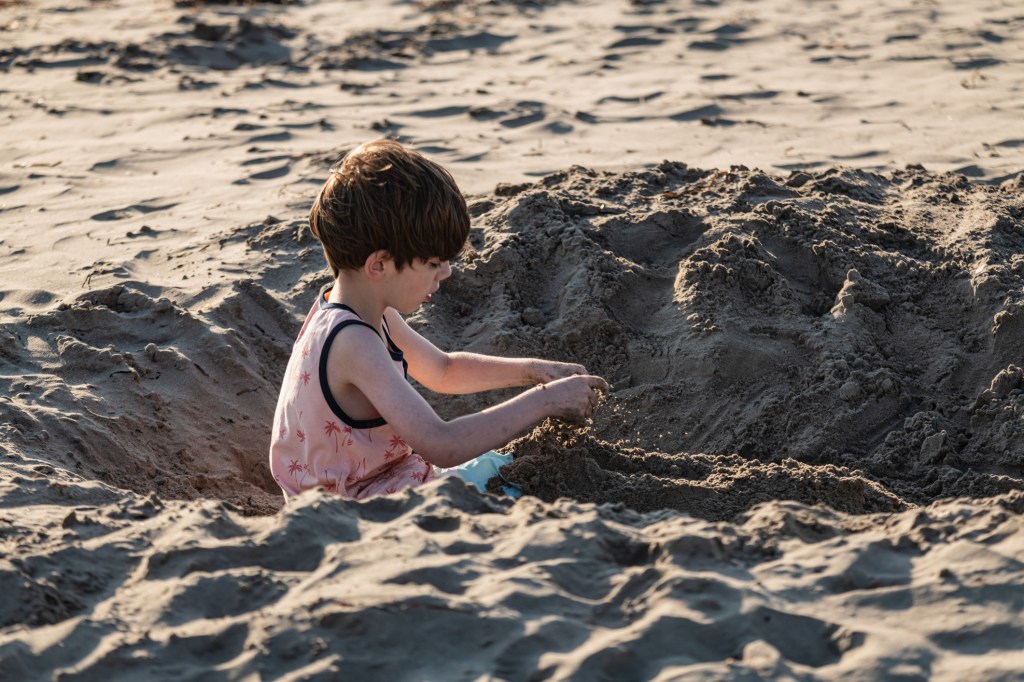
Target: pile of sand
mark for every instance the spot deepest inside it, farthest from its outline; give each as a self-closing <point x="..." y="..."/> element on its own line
<point x="865" y="322"/>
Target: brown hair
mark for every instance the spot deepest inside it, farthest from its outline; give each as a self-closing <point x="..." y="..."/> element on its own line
<point x="383" y="196"/>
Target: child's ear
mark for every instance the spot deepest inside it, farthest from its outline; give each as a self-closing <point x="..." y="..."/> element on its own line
<point x="376" y="264"/>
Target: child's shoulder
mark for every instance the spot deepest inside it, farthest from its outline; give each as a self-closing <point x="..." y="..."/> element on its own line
<point x="350" y="332"/>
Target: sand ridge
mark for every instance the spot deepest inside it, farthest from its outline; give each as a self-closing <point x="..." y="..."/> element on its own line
<point x="143" y="586"/>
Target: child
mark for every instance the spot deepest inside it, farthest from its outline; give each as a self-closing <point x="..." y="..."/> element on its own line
<point x="347" y="419"/>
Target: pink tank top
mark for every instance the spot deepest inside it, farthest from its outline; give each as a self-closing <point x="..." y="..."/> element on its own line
<point x="314" y="443"/>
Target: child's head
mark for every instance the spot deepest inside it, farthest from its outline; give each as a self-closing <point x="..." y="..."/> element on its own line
<point x="384" y="196"/>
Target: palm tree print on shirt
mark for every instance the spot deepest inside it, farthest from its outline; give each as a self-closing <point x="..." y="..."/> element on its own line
<point x="331" y="428"/>
<point x="397" y="445"/>
<point x="295" y="468"/>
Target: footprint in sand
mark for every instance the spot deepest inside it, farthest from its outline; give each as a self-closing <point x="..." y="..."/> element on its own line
<point x="275" y="165"/>
<point x="520" y="114"/>
<point x="524" y="113"/>
<point x="440" y="112"/>
<point x="277" y="171"/>
<point x="635" y="41"/>
<point x="282" y="136"/>
<point x="723" y="38"/>
<point x="482" y="41"/>
<point x="706" y="112"/>
<point x="131" y="211"/>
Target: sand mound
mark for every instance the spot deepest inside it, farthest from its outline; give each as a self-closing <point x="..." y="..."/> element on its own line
<point x="146" y="395"/>
<point x="842" y="318"/>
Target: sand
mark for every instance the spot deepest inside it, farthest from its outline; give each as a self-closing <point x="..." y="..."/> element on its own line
<point x="789" y="234"/>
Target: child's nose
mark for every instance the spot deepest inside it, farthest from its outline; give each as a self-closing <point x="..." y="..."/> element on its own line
<point x="446" y="271"/>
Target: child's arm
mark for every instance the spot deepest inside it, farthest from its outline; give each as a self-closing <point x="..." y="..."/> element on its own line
<point x="362" y="359"/>
<point x="470" y="372"/>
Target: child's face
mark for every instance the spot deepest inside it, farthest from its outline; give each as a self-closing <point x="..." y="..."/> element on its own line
<point x="417" y="282"/>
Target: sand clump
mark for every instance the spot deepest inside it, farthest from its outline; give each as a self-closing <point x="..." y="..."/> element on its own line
<point x="552" y="462"/>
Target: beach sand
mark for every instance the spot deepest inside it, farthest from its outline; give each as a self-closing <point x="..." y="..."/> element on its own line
<point x="789" y="234"/>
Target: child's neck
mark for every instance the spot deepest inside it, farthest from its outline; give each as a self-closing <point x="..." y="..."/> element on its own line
<point x="353" y="292"/>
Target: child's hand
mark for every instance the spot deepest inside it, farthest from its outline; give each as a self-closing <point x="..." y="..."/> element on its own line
<point x="543" y="371"/>
<point x="574" y="398"/>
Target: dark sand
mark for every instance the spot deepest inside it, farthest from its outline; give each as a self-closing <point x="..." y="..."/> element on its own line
<point x="841" y="337"/>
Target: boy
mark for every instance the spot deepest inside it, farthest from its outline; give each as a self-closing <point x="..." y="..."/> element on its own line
<point x="347" y="418"/>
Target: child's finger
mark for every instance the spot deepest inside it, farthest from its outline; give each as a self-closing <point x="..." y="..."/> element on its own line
<point x="569" y="370"/>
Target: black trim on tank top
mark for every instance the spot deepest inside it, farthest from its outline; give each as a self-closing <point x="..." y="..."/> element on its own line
<point x="396" y="352"/>
<point x="393" y="350"/>
<point x="328" y="396"/>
